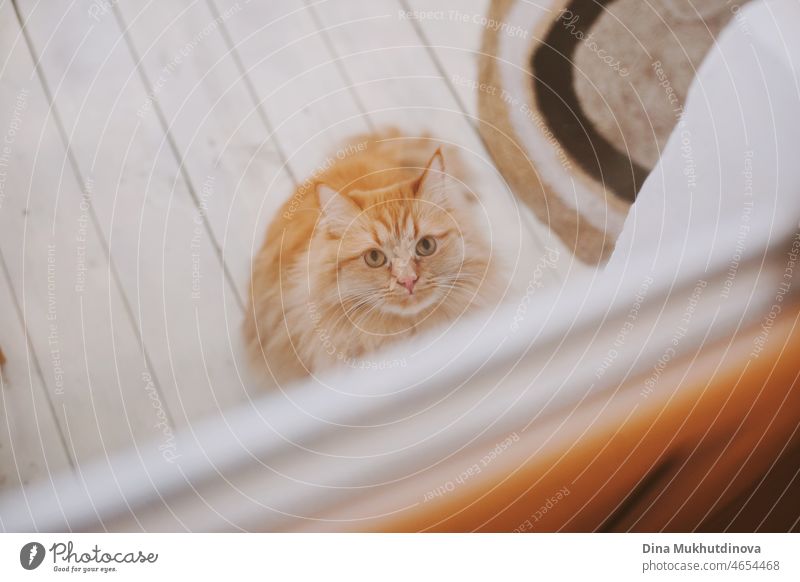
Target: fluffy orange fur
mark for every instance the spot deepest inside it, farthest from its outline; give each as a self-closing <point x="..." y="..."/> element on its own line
<point x="379" y="246"/>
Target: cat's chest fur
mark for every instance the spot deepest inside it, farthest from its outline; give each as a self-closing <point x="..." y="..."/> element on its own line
<point x="326" y="334"/>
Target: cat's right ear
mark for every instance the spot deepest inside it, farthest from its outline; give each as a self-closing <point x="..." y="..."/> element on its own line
<point x="432" y="183"/>
<point x="338" y="211"/>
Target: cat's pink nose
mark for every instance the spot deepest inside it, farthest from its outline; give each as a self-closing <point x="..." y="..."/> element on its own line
<point x="408" y="282"/>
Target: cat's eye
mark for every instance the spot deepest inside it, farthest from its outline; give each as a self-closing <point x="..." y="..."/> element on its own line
<point x="375" y="258"/>
<point x="426" y="246"/>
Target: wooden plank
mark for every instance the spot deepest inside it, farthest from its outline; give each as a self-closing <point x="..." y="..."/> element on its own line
<point x="78" y="325"/>
<point x="185" y="308"/>
<point x="31" y="447"/>
<point x="196" y="85"/>
<point x="453" y="34"/>
<point x="295" y="80"/>
<point x="394" y="77"/>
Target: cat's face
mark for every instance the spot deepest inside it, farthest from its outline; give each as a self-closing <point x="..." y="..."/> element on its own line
<point x="398" y="251"/>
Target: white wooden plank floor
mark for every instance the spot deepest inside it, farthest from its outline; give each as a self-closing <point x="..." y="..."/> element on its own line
<point x="151" y="143"/>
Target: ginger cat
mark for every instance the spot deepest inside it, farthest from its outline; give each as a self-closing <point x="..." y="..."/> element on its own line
<point x="378" y="246"/>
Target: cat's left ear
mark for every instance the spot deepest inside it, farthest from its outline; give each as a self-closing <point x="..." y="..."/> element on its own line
<point x="338" y="210"/>
<point x="432" y="183"/>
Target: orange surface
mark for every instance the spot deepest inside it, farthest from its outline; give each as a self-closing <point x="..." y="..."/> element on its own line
<point x="684" y="458"/>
